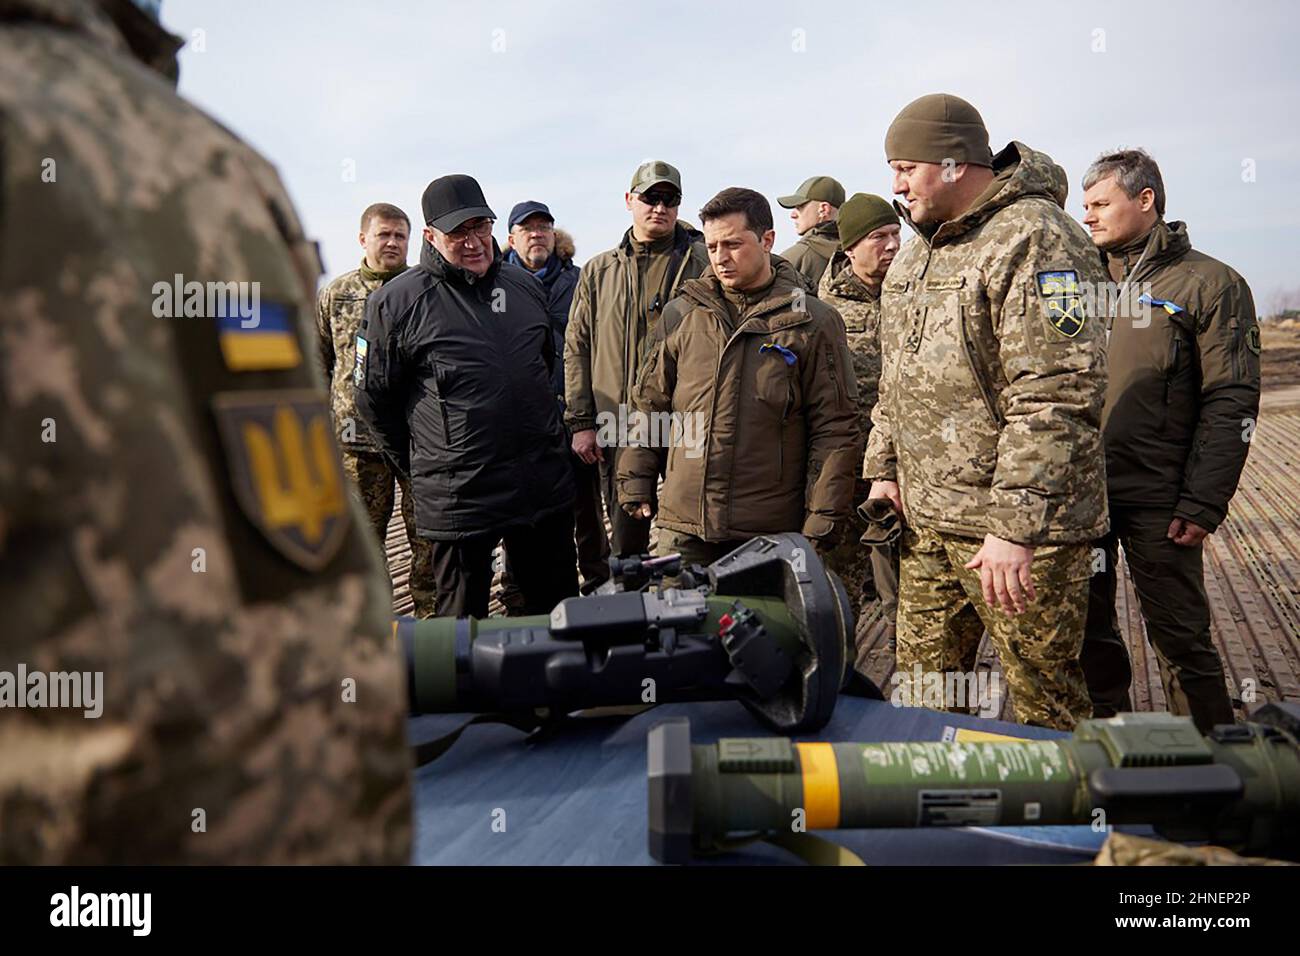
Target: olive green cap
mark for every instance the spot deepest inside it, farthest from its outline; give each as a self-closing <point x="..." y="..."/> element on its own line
<point x="938" y="127"/>
<point x="653" y="172"/>
<point x="862" y="215"/>
<point x="820" y="188"/>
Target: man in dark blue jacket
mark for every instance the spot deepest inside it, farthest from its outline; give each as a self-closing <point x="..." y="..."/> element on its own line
<point x="454" y="375"/>
<point x="547" y="253"/>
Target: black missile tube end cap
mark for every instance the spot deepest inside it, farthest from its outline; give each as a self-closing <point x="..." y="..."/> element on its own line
<point x="671" y="810"/>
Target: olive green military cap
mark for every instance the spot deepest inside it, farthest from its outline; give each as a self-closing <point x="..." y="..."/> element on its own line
<point x="820" y="188"/>
<point x="938" y="127"/>
<point x="862" y="215"/>
<point x="653" y="172"/>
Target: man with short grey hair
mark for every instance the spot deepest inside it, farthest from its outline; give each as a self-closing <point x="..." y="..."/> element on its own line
<point x="1184" y="389"/>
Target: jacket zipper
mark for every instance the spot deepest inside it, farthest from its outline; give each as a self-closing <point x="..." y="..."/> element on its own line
<point x="968" y="347"/>
<point x="713" y="412"/>
<point x="785" y="416"/>
<point x="629" y="333"/>
<point x="1173" y="368"/>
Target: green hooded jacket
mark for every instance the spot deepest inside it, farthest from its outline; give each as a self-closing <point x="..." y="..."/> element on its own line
<point x="1184" y="379"/>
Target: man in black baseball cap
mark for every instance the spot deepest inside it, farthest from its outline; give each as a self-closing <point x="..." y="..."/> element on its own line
<point x="451" y="200"/>
<point x="453" y="376"/>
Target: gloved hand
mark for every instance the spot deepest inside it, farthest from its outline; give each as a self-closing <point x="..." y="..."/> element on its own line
<point x="883" y="526"/>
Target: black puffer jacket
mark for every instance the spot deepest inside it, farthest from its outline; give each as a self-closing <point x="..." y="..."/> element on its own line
<point x="454" y="379"/>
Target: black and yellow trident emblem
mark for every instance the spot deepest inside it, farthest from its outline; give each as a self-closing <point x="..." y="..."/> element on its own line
<point x="1063" y="300"/>
<point x="286" y="470"/>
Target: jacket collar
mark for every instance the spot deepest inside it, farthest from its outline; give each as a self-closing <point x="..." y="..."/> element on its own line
<point x="1166" y="243"/>
<point x="775" y="311"/>
<point x="1018" y="172"/>
<point x="683" y="235"/>
<point x="432" y="262"/>
<point x="842" y="281"/>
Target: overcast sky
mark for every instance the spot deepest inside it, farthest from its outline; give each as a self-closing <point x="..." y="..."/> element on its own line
<point x="360" y="102"/>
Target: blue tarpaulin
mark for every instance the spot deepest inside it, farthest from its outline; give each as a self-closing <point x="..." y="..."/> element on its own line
<point x="578" y="795"/>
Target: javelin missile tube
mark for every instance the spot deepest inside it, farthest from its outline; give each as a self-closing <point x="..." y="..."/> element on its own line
<point x="1239" y="786"/>
<point x="767" y="627"/>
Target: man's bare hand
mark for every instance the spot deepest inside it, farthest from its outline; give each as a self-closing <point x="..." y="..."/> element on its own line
<point x="639" y="510"/>
<point x="890" y="490"/>
<point x="1187" y="533"/>
<point x="1005" y="574"/>
<point x="586" y="447"/>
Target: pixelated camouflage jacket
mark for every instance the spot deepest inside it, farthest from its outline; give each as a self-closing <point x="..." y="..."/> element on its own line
<point x="220" y="579"/>
<point x="993" y="374"/>
<point x="340" y="308"/>
<point x="1184" y="380"/>
<point x="860" y="309"/>
<point x="771" y="404"/>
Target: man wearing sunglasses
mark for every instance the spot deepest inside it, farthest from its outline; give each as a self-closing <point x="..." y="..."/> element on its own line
<point x="453" y="374"/>
<point x="620" y="298"/>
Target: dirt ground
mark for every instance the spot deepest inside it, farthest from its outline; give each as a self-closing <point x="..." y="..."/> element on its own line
<point x="1280" y="354"/>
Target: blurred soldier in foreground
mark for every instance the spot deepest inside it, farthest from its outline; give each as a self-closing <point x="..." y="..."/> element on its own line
<point x="814" y="207"/>
<point x="620" y="297"/>
<point x="340" y="307"/>
<point x="869" y="239"/>
<point x="756" y="374"/>
<point x="987" y="432"/>
<point x="1179" y="415"/>
<point x="173" y="512"/>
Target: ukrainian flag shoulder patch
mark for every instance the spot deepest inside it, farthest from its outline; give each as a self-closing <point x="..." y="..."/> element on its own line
<point x="267" y="340"/>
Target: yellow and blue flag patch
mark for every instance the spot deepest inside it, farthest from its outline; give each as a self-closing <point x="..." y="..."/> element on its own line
<point x="265" y="341"/>
<point x="1171" y="307"/>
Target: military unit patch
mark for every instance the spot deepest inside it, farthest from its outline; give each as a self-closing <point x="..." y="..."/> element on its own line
<point x="286" y="471"/>
<point x="1064" y="300"/>
<point x="1252" y="338"/>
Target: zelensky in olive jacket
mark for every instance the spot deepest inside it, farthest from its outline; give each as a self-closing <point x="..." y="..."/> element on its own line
<point x="759" y="375"/>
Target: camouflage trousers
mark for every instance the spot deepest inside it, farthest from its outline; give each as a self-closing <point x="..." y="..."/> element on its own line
<point x="942" y="616"/>
<point x="373" y="479"/>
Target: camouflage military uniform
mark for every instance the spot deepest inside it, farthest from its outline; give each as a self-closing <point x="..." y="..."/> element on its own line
<point x="869" y="573"/>
<point x="172" y="511"/>
<point x="340" y="307"/>
<point x="989" y="419"/>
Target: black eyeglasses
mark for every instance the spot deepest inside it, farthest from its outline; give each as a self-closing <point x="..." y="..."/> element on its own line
<point x="670" y="200"/>
<point x="478" y="228"/>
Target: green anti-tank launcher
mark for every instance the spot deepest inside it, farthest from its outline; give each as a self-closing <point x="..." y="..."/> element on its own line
<point x="766" y="625"/>
<point x="1237" y="787"/>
